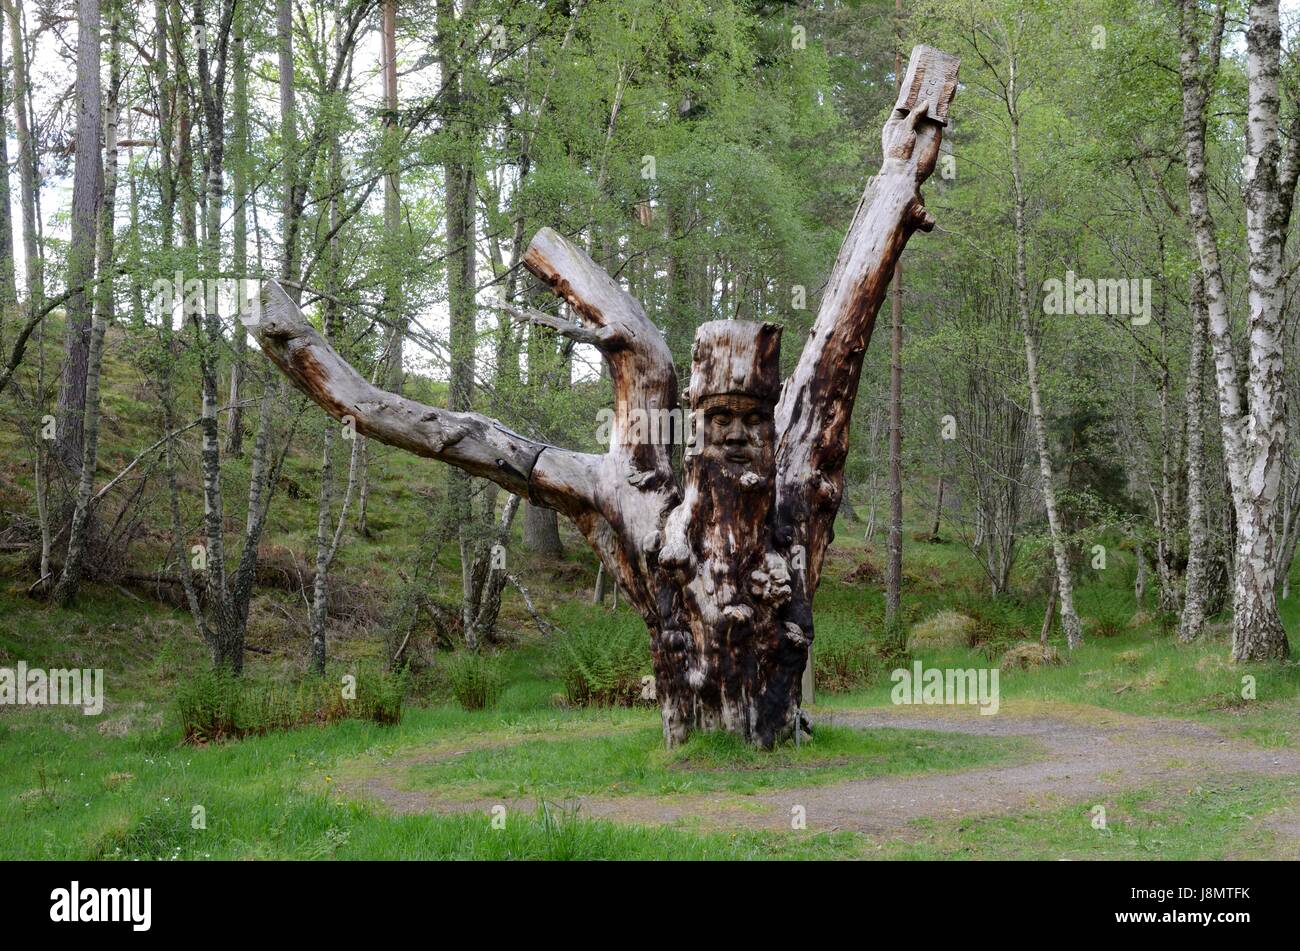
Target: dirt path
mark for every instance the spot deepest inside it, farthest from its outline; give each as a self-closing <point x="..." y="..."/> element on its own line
<point x="1082" y="762"/>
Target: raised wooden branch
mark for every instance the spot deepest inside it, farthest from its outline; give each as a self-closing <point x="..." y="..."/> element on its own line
<point x="722" y="568"/>
<point x="477" y="444"/>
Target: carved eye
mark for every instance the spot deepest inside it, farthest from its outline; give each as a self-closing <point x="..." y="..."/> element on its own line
<point x="720" y="419"/>
<point x="753" y="419"/>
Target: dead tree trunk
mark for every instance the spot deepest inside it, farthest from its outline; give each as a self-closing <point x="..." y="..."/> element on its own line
<point x="724" y="567"/>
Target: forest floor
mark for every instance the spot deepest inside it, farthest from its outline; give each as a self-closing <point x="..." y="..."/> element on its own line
<point x="1076" y="757"/>
<point x="1159" y="734"/>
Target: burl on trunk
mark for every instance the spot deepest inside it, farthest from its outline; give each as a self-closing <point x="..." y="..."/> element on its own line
<point x="723" y="568"/>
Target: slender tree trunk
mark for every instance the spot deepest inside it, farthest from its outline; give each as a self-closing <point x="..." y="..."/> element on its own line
<point x="32" y="257"/>
<point x="894" y="562"/>
<point x="938" y="509"/>
<point x="326" y="545"/>
<point x="1254" y="428"/>
<point x="1192" y="620"/>
<point x="1140" y="574"/>
<point x="227" y="642"/>
<point x="1050" y="612"/>
<point x="239" y="238"/>
<point x="288" y="139"/>
<point x="392" y="194"/>
<point x="65" y="591"/>
<point x="1064" y="587"/>
<point x="87" y="190"/>
<point x="458" y="172"/>
<point x="1257" y="627"/>
<point x="8" y="273"/>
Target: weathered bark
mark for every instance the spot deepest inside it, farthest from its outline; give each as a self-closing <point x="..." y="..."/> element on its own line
<point x="723" y="568"/>
<point x="1192" y="620"/>
<point x="65" y="591"/>
<point x="1254" y="423"/>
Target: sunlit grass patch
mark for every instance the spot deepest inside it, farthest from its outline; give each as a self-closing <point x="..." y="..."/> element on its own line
<point x="1212" y="820"/>
<point x="635" y="762"/>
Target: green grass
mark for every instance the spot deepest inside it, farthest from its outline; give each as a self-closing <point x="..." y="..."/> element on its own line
<point x="1211" y="821"/>
<point x="635" y="762"/>
<point x="67" y="792"/>
<point x="122" y="786"/>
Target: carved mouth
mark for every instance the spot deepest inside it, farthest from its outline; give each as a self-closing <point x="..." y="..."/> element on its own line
<point x="737" y="455"/>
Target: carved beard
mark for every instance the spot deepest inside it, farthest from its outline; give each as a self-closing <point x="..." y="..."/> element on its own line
<point x="735" y="437"/>
<point x="734" y="495"/>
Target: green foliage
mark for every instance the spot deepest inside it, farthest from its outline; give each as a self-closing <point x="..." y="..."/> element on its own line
<point x="217" y="705"/>
<point x="602" y="666"/>
<point x="476" y="679"/>
<point x="843" y="658"/>
<point x="996" y="624"/>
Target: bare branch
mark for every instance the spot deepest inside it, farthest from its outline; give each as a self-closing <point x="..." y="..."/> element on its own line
<point x="477" y="444"/>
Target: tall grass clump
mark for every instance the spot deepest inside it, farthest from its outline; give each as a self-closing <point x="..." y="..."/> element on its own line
<point x="850" y="651"/>
<point x="844" y="657"/>
<point x="997" y="624"/>
<point x="476" y="679"/>
<point x="217" y="705"/>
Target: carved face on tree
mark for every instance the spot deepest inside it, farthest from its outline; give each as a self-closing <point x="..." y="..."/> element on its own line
<point x="736" y="433"/>
<point x="735" y="381"/>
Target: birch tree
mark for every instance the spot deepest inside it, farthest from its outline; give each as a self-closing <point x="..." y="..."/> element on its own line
<point x="1253" y="418"/>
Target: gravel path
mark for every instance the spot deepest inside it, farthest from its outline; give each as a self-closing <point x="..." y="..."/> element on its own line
<point x="1083" y="761"/>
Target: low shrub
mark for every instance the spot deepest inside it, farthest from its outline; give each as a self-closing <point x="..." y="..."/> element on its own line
<point x="1108" y="621"/>
<point x="1029" y="654"/>
<point x="994" y="625"/>
<point x="217" y="705"/>
<point x="476" y="679"/>
<point x="850" y="652"/>
<point x="602" y="666"/>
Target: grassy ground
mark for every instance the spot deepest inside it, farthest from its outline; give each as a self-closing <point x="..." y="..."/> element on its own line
<point x="120" y="785"/>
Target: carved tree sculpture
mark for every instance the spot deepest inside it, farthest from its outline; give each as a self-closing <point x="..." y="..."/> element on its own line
<point x="723" y="568"/>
